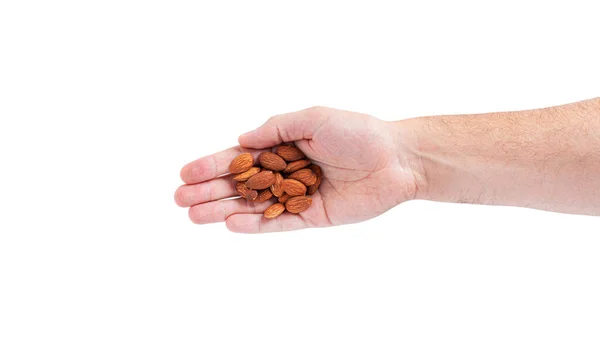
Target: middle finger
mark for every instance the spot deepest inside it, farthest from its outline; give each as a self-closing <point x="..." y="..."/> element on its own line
<point x="216" y="189"/>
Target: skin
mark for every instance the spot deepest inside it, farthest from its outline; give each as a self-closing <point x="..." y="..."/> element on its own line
<point x="545" y="158"/>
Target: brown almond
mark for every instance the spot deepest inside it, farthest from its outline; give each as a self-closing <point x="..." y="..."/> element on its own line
<point x="261" y="180"/>
<point x="285" y="197"/>
<point x="289" y="152"/>
<point x="246" y="175"/>
<point x="263" y="196"/>
<point x="296" y="165"/>
<point x="298" y="204"/>
<point x="241" y="163"/>
<point x="306" y="176"/>
<point x="245" y="192"/>
<point x="293" y="187"/>
<point x="271" y="161"/>
<point x="316" y="169"/>
<point x="312" y="189"/>
<point x="274" y="211"/>
<point x="276" y="188"/>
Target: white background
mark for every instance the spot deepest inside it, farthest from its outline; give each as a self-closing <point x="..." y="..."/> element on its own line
<point x="102" y="102"/>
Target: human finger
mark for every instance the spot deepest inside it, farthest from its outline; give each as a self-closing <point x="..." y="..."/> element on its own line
<point x="216" y="189"/>
<point x="285" y="128"/>
<point x="219" y="211"/>
<point x="212" y="166"/>
<point x="257" y="223"/>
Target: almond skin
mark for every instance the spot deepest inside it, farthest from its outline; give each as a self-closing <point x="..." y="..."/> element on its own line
<point x="241" y="163"/>
<point x="306" y="176"/>
<point x="263" y="196"/>
<point x="312" y="189"/>
<point x="245" y="192"/>
<point x="293" y="187"/>
<point x="316" y="169"/>
<point x="283" y="173"/>
<point x="285" y="197"/>
<point x="261" y="180"/>
<point x="276" y="188"/>
<point x="298" y="204"/>
<point x="289" y="153"/>
<point x="271" y="161"/>
<point x="296" y="165"/>
<point x="274" y="211"/>
<point x="246" y="175"/>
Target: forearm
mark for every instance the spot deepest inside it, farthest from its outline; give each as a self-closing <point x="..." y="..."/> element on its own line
<point x="544" y="158"/>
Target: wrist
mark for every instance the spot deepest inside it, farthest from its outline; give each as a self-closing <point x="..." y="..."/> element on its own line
<point x="476" y="159"/>
<point x="442" y="163"/>
<point x="409" y="154"/>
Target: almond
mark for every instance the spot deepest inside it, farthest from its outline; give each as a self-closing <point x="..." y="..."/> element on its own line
<point x="241" y="163"/>
<point x="245" y="175"/>
<point x="283" y="172"/>
<point x="271" y="161"/>
<point x="263" y="196"/>
<point x="296" y="165"/>
<point x="289" y="152"/>
<point x="261" y="180"/>
<point x="298" y="204"/>
<point x="306" y="176"/>
<point x="274" y="211"/>
<point x="293" y="187"/>
<point x="312" y="189"/>
<point x="245" y="192"/>
<point x="317" y="170"/>
<point x="285" y="197"/>
<point x="276" y="188"/>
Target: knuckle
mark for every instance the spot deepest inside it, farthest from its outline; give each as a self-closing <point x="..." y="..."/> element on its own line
<point x="317" y="109"/>
<point x="272" y="119"/>
<point x="251" y="206"/>
<point x="310" y="224"/>
<point x="222" y="210"/>
<point x="208" y="192"/>
<point x="318" y="112"/>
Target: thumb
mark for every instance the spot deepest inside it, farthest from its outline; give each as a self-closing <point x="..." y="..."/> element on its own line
<point x="288" y="127"/>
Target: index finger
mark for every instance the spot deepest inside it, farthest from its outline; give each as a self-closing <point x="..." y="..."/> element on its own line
<point x="210" y="167"/>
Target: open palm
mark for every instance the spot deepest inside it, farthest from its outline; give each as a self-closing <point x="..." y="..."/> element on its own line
<point x="365" y="172"/>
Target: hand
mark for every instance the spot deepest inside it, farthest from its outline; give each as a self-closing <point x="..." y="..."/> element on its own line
<point x="365" y="167"/>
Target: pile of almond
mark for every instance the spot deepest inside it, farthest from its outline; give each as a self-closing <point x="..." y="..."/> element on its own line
<point x="285" y="175"/>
